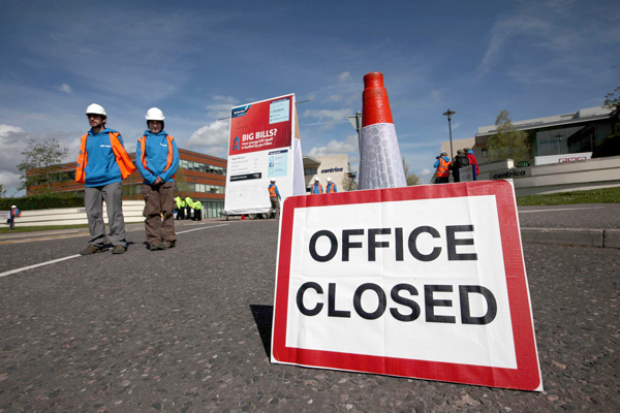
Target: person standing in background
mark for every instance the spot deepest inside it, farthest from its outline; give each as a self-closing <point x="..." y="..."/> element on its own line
<point x="443" y="169"/>
<point x="274" y="197"/>
<point x="317" y="188"/>
<point x="473" y="162"/>
<point x="459" y="161"/>
<point x="15" y="213"/>
<point x="331" y="187"/>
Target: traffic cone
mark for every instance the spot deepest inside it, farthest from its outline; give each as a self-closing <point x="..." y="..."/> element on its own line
<point x="381" y="164"/>
<point x="242" y="217"/>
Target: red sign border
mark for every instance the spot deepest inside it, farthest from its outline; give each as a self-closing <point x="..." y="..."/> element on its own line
<point x="527" y="374"/>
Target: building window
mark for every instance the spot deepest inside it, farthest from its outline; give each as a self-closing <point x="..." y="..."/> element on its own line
<point x="310" y="171"/>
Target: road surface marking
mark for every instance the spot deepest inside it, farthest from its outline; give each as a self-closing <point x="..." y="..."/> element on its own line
<point x="198" y="229"/>
<point x="4" y="274"/>
<point x="30" y="267"/>
<point x="556" y="209"/>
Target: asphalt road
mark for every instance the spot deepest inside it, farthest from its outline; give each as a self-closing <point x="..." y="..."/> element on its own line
<point x="597" y="216"/>
<point x="188" y="330"/>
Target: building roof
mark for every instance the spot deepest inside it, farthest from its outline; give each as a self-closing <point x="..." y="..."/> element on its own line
<point x="582" y="115"/>
<point x="310" y="162"/>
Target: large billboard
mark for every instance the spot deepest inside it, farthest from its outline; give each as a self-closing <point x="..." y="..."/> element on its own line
<point x="262" y="146"/>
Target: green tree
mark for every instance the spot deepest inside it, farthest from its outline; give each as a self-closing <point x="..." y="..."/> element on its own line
<point x="412" y="179"/>
<point x="611" y="144"/>
<point x="348" y="184"/>
<point x="2" y="191"/>
<point x="508" y="142"/>
<point x="181" y="185"/>
<point x="40" y="162"/>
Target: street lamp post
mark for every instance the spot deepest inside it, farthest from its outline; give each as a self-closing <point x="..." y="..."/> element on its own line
<point x="356" y="122"/>
<point x="449" y="114"/>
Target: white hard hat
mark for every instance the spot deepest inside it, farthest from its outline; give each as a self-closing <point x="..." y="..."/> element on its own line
<point x="154" y="114"/>
<point x="95" y="109"/>
<point x="272" y="180"/>
<point x="329" y="179"/>
<point x="316" y="179"/>
<point x="13" y="206"/>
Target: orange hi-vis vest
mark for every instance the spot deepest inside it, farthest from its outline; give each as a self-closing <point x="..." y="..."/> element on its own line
<point x="272" y="192"/>
<point x="142" y="142"/>
<point x="442" y="169"/>
<point x="330" y="188"/>
<point x="122" y="159"/>
<point x="320" y="189"/>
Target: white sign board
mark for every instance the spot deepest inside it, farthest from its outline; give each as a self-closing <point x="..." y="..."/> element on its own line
<point x="567" y="157"/>
<point x="4" y="215"/>
<point x="262" y="146"/>
<point x="380" y="282"/>
<point x="466" y="173"/>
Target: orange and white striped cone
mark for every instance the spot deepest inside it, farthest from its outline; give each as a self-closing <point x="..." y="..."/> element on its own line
<point x="381" y="164"/>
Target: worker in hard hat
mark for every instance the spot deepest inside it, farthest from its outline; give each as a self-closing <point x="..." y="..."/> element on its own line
<point x="274" y="197"/>
<point x="102" y="165"/>
<point x="331" y="187"/>
<point x="317" y="188"/>
<point x="443" y="169"/>
<point x="157" y="157"/>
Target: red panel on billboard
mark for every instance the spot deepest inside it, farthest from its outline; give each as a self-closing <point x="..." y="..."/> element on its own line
<point x="261" y="126"/>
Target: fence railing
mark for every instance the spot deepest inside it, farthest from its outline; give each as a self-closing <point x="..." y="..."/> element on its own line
<point x="132" y="211"/>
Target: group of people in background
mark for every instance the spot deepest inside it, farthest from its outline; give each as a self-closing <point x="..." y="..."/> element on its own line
<point x="443" y="164"/>
<point x="188" y="208"/>
<point x="316" y="188"/>
<point x="102" y="165"/>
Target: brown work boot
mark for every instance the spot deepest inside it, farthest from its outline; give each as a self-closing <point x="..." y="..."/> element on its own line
<point x="119" y="249"/>
<point x="166" y="245"/>
<point x="155" y="247"/>
<point x="90" y="250"/>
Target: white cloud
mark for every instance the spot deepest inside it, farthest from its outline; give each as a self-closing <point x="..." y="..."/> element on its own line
<point x="63" y="88"/>
<point x="344" y="77"/>
<point x="13" y="140"/>
<point x="334" y="147"/>
<point x="333" y="115"/>
<point x="436" y="95"/>
<point x="424" y="172"/>
<point x="334" y="98"/>
<point x="212" y="138"/>
<point x="221" y="106"/>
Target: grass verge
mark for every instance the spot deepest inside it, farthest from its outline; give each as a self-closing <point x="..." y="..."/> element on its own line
<point x="593" y="196"/>
<point x="17" y="229"/>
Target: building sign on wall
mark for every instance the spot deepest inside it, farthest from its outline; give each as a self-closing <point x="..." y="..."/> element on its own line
<point x="378" y="282"/>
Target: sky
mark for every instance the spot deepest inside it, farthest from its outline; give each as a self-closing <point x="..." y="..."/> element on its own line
<point x="197" y="59"/>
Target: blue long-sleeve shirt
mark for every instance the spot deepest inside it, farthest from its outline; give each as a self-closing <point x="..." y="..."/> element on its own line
<point x="101" y="166"/>
<point x="156" y="158"/>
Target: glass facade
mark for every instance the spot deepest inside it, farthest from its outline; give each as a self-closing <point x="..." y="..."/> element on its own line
<point x="310" y="171"/>
<point x="212" y="209"/>
<point x="568" y="138"/>
<point x="202" y="167"/>
<point x="212" y="189"/>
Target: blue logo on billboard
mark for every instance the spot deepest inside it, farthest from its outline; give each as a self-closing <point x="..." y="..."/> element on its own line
<point x="239" y="111"/>
<point x="236" y="144"/>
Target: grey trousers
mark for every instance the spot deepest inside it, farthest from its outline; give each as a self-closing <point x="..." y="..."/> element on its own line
<point x="93" y="200"/>
<point x="275" y="207"/>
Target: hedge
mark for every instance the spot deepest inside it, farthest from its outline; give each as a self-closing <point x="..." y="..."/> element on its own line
<point x="44" y="201"/>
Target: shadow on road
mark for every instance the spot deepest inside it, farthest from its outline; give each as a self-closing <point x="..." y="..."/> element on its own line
<point x="263" y="317"/>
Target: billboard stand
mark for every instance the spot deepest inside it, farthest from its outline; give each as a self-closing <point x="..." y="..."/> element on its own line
<point x="264" y="144"/>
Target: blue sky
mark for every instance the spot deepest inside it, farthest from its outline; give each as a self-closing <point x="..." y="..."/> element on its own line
<point x="196" y="59"/>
